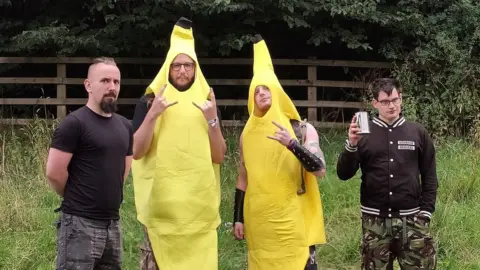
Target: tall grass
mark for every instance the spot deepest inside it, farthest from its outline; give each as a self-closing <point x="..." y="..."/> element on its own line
<point x="28" y="237"/>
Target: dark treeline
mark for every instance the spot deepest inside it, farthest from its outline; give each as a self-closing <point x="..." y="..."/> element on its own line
<point x="434" y="44"/>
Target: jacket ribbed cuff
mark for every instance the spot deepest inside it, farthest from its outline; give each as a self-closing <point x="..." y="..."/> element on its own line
<point x="349" y="147"/>
<point x="425" y="214"/>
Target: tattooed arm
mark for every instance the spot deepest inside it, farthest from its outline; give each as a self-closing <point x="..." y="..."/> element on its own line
<point x="312" y="144"/>
<point x="309" y="154"/>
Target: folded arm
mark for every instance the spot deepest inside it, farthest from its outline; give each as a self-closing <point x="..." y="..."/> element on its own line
<point x="64" y="142"/>
<point x="57" y="169"/>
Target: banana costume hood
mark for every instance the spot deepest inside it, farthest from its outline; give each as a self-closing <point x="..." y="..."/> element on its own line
<point x="177" y="187"/>
<point x="280" y="225"/>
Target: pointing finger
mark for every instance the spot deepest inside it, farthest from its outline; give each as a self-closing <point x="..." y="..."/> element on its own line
<point x="162" y="90"/>
<point x="161" y="98"/>
<point x="273" y="138"/>
<point x="171" y="104"/>
<point x="279" y="126"/>
<point x="212" y="96"/>
<point x="200" y="108"/>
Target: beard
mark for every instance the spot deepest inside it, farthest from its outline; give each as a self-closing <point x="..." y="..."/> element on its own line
<point x="108" y="105"/>
<point x="181" y="88"/>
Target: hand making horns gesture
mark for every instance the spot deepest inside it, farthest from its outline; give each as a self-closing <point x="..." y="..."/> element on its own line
<point x="209" y="108"/>
<point x="160" y="104"/>
<point x="281" y="135"/>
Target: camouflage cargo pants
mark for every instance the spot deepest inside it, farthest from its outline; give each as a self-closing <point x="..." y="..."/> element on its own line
<point x="406" y="239"/>
<point x="147" y="259"/>
<point x="86" y="244"/>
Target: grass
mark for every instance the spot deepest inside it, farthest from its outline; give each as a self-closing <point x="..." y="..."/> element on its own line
<point x="28" y="237"/>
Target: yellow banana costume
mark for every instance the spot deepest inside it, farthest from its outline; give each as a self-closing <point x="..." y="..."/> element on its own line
<point x="177" y="187"/>
<point x="279" y="224"/>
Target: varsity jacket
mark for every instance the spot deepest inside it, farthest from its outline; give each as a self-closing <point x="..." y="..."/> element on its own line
<point x="398" y="168"/>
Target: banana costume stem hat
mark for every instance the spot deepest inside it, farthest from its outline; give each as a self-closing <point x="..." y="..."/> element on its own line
<point x="264" y="74"/>
<point x="181" y="42"/>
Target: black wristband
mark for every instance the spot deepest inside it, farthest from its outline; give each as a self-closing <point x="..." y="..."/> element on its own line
<point x="238" y="207"/>
<point x="310" y="161"/>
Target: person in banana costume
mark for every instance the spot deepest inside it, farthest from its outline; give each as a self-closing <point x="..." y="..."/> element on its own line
<point x="277" y="199"/>
<point x="178" y="148"/>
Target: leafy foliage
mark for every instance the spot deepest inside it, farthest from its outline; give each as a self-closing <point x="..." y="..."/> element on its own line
<point x="434" y="43"/>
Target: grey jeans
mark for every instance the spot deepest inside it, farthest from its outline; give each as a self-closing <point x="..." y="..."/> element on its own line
<point x="86" y="244"/>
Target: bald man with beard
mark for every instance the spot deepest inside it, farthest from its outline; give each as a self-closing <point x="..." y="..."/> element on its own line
<point x="89" y="158"/>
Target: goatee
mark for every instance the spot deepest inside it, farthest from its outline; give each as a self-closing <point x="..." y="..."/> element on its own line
<point x="108" y="106"/>
<point x="179" y="87"/>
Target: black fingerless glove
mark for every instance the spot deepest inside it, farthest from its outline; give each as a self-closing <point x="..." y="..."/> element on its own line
<point x="238" y="207"/>
<point x="310" y="161"/>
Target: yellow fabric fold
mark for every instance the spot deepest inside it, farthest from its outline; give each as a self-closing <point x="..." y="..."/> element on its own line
<point x="279" y="224"/>
<point x="177" y="187"/>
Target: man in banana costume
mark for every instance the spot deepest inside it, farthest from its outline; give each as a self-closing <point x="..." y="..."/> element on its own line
<point x="277" y="199"/>
<point x="178" y="146"/>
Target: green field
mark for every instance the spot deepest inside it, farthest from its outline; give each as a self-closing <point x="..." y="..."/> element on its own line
<point x="28" y="238"/>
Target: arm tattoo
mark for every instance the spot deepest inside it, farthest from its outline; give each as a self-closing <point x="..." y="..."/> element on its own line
<point x="314" y="147"/>
<point x="310" y="161"/>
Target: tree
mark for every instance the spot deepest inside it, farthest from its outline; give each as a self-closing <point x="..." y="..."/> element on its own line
<point x="434" y="43"/>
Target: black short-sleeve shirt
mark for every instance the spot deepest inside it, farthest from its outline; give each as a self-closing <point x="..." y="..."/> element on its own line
<point x="99" y="145"/>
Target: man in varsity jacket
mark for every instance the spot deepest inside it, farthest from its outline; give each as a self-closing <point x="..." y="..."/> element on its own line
<point x="399" y="184"/>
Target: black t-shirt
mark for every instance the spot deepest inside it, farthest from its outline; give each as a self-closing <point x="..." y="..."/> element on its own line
<point x="99" y="145"/>
<point x="141" y="110"/>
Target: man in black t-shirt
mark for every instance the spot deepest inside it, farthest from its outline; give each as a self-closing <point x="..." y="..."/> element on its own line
<point x="89" y="159"/>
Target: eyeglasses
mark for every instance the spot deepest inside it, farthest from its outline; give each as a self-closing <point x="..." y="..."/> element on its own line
<point x="386" y="102"/>
<point x="178" y="66"/>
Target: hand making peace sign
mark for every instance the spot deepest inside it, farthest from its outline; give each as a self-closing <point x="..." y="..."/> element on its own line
<point x="209" y="108"/>
<point x="160" y="104"/>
